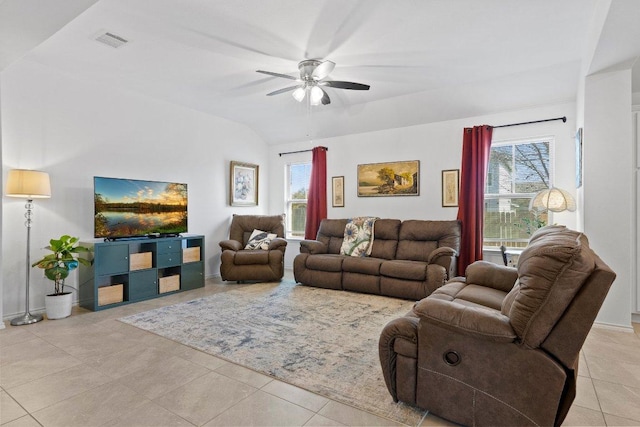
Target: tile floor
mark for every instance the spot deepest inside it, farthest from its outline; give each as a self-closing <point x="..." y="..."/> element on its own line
<point x="91" y="370"/>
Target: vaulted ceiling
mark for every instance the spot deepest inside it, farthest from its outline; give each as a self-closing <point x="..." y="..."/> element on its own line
<point x="425" y="60"/>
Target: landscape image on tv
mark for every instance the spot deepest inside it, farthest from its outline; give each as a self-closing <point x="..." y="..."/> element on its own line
<point x="130" y="207"/>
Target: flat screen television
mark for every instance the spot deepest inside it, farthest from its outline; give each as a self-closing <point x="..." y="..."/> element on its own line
<point x="136" y="208"/>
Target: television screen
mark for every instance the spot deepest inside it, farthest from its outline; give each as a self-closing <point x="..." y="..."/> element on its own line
<point x="133" y="208"/>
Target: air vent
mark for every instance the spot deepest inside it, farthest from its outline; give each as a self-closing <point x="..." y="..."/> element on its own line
<point x="111" y="39"/>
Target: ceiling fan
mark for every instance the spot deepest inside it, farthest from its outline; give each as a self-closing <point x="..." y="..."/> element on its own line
<point x="313" y="73"/>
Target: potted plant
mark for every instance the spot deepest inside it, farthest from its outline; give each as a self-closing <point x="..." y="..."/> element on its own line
<point x="57" y="265"/>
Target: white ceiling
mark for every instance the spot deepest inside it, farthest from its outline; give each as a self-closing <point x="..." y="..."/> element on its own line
<point x="426" y="60"/>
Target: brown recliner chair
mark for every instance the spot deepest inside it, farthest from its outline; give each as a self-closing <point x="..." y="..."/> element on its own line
<point x="240" y="264"/>
<point x="501" y="346"/>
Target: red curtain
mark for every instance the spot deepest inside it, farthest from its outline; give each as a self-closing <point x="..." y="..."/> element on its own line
<point x="476" y="147"/>
<point x="317" y="199"/>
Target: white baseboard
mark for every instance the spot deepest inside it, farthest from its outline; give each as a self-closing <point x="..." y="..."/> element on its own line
<point x="611" y="327"/>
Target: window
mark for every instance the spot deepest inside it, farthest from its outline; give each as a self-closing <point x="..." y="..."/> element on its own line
<point x="517" y="171"/>
<point x="298" y="177"/>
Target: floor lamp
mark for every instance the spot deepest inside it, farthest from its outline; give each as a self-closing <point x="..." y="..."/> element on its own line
<point x="28" y="184"/>
<point x="553" y="199"/>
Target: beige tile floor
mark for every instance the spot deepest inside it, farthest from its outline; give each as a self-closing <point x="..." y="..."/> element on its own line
<point x="92" y="370"/>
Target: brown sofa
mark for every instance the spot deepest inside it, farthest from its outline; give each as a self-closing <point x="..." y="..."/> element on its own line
<point x="501" y="346"/>
<point x="409" y="259"/>
<point x="240" y="264"/>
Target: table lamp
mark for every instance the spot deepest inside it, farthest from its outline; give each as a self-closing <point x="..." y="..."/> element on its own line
<point x="28" y="184"/>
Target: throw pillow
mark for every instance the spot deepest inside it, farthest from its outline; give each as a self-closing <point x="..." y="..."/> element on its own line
<point x="260" y="240"/>
<point x="358" y="237"/>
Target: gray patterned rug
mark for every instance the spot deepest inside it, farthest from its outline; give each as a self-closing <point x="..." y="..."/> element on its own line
<point x="324" y="341"/>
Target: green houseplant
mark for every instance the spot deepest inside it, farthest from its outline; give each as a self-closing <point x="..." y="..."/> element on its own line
<point x="64" y="258"/>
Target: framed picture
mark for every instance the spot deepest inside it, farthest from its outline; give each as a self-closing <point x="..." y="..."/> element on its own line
<point x="450" y="188"/>
<point x="389" y="179"/>
<point x="579" y="158"/>
<point x="337" y="191"/>
<point x="244" y="184"/>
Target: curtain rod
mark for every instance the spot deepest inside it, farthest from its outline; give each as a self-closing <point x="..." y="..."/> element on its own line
<point x="564" y="120"/>
<point x="301" y="151"/>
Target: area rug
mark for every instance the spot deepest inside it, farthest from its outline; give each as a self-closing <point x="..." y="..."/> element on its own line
<point x="324" y="341"/>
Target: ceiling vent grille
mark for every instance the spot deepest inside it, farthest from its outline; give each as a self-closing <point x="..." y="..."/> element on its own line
<point x="111" y="39"/>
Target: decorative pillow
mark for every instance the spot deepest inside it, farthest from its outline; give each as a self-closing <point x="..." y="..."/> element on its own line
<point x="358" y="236"/>
<point x="260" y="240"/>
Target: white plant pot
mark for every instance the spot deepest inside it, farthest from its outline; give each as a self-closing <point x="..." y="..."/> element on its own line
<point x="58" y="306"/>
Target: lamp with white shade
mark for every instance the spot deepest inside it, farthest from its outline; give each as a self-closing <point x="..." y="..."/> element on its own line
<point x="553" y="199"/>
<point x="28" y="184"/>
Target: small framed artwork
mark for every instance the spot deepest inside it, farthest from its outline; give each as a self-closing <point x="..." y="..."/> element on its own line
<point x="389" y="179"/>
<point x="579" y="158"/>
<point x="337" y="191"/>
<point x="450" y="188"/>
<point x="244" y="184"/>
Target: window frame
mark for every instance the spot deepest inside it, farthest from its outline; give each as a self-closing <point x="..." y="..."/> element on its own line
<point x="497" y="196"/>
<point x="289" y="201"/>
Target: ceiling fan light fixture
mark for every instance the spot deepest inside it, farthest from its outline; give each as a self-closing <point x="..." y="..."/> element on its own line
<point x="315" y="97"/>
<point x="298" y="94"/>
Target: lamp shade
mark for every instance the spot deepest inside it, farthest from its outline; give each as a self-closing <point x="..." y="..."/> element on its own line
<point x="298" y="94"/>
<point x="28" y="184"/>
<point x="316" y="95"/>
<point x="553" y="199"/>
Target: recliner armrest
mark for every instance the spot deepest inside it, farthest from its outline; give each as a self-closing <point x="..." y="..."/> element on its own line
<point x="232" y="245"/>
<point x="442" y="251"/>
<point x="313" y="247"/>
<point x="481" y="323"/>
<point x="491" y="275"/>
<point x="278" y="243"/>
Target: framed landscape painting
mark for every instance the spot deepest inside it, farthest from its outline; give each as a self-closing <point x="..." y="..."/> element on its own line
<point x="244" y="184"/>
<point x="389" y="179"/>
<point x="450" y="188"/>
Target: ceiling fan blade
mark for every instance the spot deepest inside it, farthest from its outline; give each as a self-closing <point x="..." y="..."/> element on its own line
<point x="345" y="85"/>
<point x="323" y="70"/>
<point x="286" y="89"/>
<point x="325" y="97"/>
<point x="270" y="73"/>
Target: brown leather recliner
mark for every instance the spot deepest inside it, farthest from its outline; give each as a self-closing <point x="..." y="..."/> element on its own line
<point x="501" y="346"/>
<point x="240" y="264"/>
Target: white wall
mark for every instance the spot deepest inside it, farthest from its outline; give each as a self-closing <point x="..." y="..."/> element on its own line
<point x="1" y="189"/>
<point x="75" y="130"/>
<point x="438" y="146"/>
<point x="608" y="184"/>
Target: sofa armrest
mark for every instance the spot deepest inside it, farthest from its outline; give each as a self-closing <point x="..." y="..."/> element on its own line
<point x="446" y="257"/>
<point x="313" y="247"/>
<point x="481" y="323"/>
<point x="403" y="329"/>
<point x="491" y="275"/>
<point x="232" y="245"/>
<point x="441" y="252"/>
<point x="278" y="243"/>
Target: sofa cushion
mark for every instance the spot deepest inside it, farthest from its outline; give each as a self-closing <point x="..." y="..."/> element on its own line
<point x="366" y="265"/>
<point x="249" y="257"/>
<point x="243" y="225"/>
<point x="403" y="269"/>
<point x="385" y="242"/>
<point x="325" y="262"/>
<point x="551" y="270"/>
<point x="331" y="233"/>
<point x="470" y="295"/>
<point x="505" y="308"/>
<point x="418" y="238"/>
